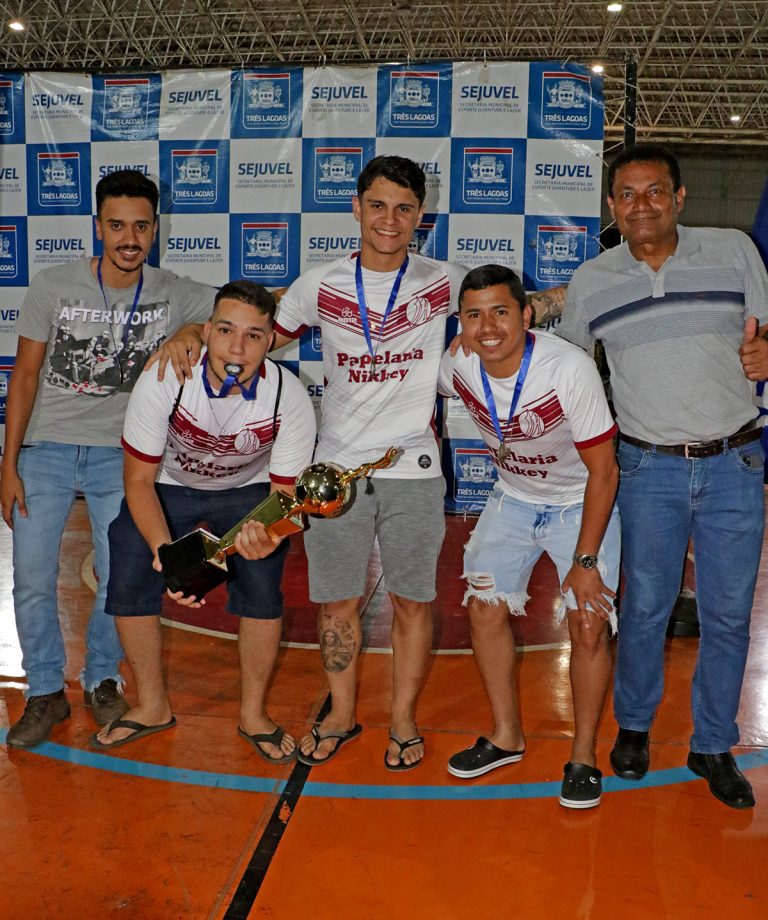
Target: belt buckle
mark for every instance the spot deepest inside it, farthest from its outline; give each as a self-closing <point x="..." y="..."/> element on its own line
<point x="695" y="445"/>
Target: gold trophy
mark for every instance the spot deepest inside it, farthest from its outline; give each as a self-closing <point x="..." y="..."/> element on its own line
<point x="197" y="562"/>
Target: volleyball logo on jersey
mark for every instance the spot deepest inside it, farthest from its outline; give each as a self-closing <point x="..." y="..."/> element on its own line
<point x="247" y="441"/>
<point x="264" y="250"/>
<point x="58" y="179"/>
<point x="487" y="175"/>
<point x="7" y="120"/>
<point x="194" y="176"/>
<point x="9" y="250"/>
<point x="335" y="173"/>
<point x="418" y="310"/>
<point x="566" y="100"/>
<point x="559" y="252"/>
<point x="126" y="106"/>
<point x="266" y="101"/>
<point x="414" y="99"/>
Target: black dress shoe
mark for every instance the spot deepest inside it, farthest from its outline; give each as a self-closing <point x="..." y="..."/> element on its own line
<point x="630" y="757"/>
<point x="726" y="781"/>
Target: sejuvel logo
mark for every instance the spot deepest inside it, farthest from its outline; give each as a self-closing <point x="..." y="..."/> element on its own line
<point x="106" y="168"/>
<point x="264" y="250"/>
<point x="58" y="179"/>
<point x="565" y="100"/>
<point x="194" y="176"/>
<point x="487" y="176"/>
<point x="8" y="253"/>
<point x="414" y="98"/>
<point x="53" y="244"/>
<point x="491" y="92"/>
<point x="192" y="244"/>
<point x="266" y="100"/>
<point x="191" y="96"/>
<point x="489" y="244"/>
<point x="330" y="93"/>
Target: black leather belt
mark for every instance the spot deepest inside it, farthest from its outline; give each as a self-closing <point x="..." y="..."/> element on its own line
<point x="699" y="450"/>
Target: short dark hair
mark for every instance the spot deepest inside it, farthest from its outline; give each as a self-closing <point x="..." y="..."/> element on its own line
<point x="399" y="170"/>
<point x="130" y="183"/>
<point x="485" y="276"/>
<point x="250" y="293"/>
<point x="645" y="153"/>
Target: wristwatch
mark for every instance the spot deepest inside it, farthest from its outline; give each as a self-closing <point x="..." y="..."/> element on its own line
<point x="585" y="560"/>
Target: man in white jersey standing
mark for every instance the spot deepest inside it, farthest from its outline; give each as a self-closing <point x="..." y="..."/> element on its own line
<point x="382" y="316"/>
<point x="212" y="451"/>
<point x="540" y="408"/>
<point x="84" y="332"/>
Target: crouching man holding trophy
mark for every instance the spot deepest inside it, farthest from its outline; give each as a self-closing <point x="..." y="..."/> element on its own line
<point x="235" y="436"/>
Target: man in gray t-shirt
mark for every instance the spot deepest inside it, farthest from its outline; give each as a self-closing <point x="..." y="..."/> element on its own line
<point x="85" y="331"/>
<point x="681" y="313"/>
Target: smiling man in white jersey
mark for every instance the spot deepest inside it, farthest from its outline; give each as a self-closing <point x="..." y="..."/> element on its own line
<point x="382" y="316"/>
<point x="540" y="408"/>
<point x="85" y="330"/>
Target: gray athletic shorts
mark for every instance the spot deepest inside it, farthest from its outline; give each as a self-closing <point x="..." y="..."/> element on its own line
<point x="408" y="518"/>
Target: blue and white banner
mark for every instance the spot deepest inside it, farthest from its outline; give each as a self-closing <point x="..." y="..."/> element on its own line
<point x="257" y="168"/>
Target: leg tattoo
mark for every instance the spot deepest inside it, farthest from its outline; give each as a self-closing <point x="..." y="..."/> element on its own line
<point x="337" y="644"/>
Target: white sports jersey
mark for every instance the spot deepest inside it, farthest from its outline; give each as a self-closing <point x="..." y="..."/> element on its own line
<point x="562" y="409"/>
<point x="371" y="403"/>
<point x="221" y="443"/>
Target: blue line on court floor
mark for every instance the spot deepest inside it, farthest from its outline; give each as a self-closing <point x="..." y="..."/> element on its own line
<point x="462" y="793"/>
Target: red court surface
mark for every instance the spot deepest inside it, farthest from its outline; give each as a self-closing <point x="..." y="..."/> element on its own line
<point x="192" y="824"/>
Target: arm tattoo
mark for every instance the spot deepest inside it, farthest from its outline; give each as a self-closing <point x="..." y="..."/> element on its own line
<point x="337" y="644"/>
<point x="547" y="305"/>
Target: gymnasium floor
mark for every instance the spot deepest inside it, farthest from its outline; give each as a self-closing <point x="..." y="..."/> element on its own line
<point x="192" y="824"/>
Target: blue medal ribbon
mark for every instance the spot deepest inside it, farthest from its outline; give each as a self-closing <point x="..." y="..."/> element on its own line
<point x="230" y="380"/>
<point x="491" y="403"/>
<point x="135" y="304"/>
<point x="136" y="296"/>
<point x="363" y="306"/>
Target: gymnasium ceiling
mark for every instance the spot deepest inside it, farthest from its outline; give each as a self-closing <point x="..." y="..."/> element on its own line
<point x="698" y="61"/>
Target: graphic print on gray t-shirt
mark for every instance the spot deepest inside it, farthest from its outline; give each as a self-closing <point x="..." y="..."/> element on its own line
<point x="95" y="352"/>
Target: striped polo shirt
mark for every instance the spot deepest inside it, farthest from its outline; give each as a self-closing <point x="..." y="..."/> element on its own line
<point x="672" y="337"/>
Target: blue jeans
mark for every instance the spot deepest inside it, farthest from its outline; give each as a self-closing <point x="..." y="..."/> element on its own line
<point x="52" y="474"/>
<point x="664" y="500"/>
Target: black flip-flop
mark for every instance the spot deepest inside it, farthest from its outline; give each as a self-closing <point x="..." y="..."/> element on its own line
<point x="403" y="746"/>
<point x="139" y="731"/>
<point x="274" y="737"/>
<point x="310" y="761"/>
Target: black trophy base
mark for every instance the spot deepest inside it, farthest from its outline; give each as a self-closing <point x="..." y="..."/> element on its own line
<point x="187" y="565"/>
